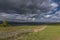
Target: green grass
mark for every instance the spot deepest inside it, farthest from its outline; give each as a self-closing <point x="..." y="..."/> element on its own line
<point x="52" y="32"/>
<point x="19" y="27"/>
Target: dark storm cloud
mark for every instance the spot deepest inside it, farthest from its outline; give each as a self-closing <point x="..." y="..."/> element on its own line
<point x="26" y="6"/>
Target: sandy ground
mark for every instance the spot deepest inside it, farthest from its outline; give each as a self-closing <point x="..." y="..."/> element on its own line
<point x="39" y="29"/>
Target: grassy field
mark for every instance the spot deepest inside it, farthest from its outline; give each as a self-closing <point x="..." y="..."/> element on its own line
<point x="52" y="32"/>
<point x="19" y="27"/>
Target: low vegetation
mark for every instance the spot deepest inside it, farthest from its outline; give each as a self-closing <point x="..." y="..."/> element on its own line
<point x="52" y="32"/>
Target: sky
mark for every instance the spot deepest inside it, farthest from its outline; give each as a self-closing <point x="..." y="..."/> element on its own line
<point x="51" y="16"/>
<point x="54" y="14"/>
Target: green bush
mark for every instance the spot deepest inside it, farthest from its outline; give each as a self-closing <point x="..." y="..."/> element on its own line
<point x="4" y="24"/>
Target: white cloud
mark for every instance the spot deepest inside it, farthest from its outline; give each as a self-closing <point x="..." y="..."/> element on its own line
<point x="47" y="16"/>
<point x="58" y="12"/>
<point x="33" y="19"/>
<point x="54" y="5"/>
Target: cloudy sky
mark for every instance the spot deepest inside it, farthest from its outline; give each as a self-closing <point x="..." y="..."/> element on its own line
<point x="51" y="16"/>
<point x="54" y="14"/>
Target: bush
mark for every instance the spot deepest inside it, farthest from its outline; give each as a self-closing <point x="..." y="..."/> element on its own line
<point x="5" y="24"/>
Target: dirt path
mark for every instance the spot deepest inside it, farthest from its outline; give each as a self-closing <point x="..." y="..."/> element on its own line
<point x="36" y="30"/>
<point x="21" y="32"/>
<point x="39" y="29"/>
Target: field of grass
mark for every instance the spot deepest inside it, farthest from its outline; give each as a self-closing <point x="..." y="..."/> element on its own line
<point x="18" y="27"/>
<point x="52" y="32"/>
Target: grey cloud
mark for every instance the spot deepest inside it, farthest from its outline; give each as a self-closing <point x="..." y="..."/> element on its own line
<point x="26" y="6"/>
